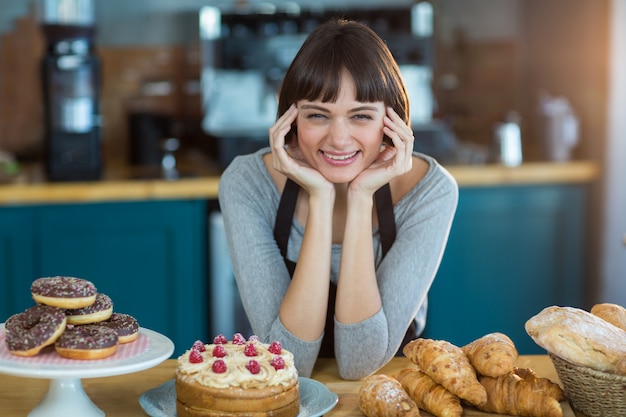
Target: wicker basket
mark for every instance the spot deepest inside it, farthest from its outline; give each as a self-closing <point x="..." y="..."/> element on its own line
<point x="594" y="393"/>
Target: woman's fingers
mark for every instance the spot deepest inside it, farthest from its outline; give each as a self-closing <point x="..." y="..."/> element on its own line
<point x="402" y="137"/>
<point x="400" y="129"/>
<point x="282" y="126"/>
<point x="277" y="134"/>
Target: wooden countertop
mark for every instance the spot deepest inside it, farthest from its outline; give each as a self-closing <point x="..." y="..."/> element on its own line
<point x="31" y="188"/>
<point x="119" y="395"/>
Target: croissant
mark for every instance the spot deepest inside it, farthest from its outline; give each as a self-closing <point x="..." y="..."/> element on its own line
<point x="429" y="395"/>
<point x="383" y="396"/>
<point x="448" y="366"/>
<point x="492" y="355"/>
<point x="510" y="394"/>
<point x="543" y="384"/>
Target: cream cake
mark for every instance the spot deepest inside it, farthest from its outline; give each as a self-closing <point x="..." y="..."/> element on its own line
<point x="237" y="378"/>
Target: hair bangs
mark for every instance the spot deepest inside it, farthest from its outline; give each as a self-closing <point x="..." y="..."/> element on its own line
<point x="337" y="48"/>
<point x="323" y="80"/>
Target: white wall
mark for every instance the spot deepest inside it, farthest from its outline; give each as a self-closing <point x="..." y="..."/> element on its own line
<point x="613" y="261"/>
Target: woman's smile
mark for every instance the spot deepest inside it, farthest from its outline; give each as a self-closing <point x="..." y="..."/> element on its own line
<point x="340" y="158"/>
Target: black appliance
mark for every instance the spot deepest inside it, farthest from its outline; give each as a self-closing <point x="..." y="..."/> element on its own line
<point x="71" y="81"/>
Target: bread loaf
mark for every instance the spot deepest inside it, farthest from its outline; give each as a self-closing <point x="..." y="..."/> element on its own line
<point x="580" y="337"/>
<point x="613" y="313"/>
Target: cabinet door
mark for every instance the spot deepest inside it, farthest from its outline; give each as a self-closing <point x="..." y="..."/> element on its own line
<point x="149" y="257"/>
<point x="512" y="251"/>
<point x="17" y="260"/>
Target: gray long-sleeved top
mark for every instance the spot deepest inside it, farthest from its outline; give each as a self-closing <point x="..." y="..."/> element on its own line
<point x="249" y="200"/>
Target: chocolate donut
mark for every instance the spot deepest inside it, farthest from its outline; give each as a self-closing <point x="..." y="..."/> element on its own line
<point x="90" y="341"/>
<point x="125" y="325"/>
<point x="33" y="329"/>
<point x="63" y="292"/>
<point x="99" y="311"/>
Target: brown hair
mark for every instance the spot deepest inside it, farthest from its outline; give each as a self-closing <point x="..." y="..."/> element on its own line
<point x="337" y="45"/>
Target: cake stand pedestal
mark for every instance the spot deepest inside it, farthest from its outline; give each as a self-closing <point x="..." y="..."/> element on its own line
<point x="65" y="396"/>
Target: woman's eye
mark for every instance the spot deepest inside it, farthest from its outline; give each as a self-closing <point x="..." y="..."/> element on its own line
<point x="315" y="116"/>
<point x="363" y="117"/>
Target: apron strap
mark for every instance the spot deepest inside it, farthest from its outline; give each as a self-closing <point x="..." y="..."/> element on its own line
<point x="386" y="218"/>
<point x="287" y="207"/>
<point x="284" y="215"/>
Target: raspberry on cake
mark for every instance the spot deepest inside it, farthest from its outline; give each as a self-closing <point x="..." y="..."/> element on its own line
<point x="237" y="378"/>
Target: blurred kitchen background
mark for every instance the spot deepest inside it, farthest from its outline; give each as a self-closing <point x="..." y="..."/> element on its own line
<point x="492" y="81"/>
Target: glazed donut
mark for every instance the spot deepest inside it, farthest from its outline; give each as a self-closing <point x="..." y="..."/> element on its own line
<point x="100" y="310"/>
<point x="63" y="292"/>
<point x="35" y="328"/>
<point x="125" y="325"/>
<point x="90" y="341"/>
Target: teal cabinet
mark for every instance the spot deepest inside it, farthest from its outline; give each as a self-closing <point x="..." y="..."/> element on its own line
<point x="16" y="262"/>
<point x="149" y="257"/>
<point x="512" y="251"/>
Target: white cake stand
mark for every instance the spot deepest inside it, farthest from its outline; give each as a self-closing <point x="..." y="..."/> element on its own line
<point x="65" y="396"/>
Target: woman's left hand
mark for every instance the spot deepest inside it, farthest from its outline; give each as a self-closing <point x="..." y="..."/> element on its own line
<point x="393" y="160"/>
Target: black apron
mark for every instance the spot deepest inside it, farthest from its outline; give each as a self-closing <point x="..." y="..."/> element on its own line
<point x="387" y="230"/>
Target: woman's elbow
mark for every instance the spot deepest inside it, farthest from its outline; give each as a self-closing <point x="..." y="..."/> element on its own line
<point x="355" y="371"/>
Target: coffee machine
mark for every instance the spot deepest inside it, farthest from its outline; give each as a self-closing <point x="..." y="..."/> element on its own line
<point x="71" y="83"/>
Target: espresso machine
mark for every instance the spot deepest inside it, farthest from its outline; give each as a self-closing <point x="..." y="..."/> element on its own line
<point x="71" y="84"/>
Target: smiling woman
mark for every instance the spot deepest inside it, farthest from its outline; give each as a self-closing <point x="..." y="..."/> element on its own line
<point x="335" y="236"/>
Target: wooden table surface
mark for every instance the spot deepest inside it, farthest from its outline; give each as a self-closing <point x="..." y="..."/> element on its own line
<point x="118" y="396"/>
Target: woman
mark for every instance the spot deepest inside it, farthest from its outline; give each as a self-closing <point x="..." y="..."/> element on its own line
<point x="337" y="229"/>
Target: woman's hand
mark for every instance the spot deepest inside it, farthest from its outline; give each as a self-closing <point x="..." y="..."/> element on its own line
<point x="288" y="160"/>
<point x="393" y="160"/>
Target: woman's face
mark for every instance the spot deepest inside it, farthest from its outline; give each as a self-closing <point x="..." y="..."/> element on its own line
<point x="343" y="138"/>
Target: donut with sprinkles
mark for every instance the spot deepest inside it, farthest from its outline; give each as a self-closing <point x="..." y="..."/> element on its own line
<point x="63" y="292"/>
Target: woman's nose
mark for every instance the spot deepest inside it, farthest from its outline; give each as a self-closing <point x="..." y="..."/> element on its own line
<point x="339" y="132"/>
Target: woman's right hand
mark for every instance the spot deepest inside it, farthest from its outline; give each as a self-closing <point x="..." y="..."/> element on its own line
<point x="288" y="160"/>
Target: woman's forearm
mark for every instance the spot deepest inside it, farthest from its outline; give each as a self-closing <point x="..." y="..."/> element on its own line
<point x="358" y="296"/>
<point x="303" y="309"/>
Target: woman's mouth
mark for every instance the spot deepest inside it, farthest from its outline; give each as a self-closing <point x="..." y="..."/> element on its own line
<point x="339" y="158"/>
